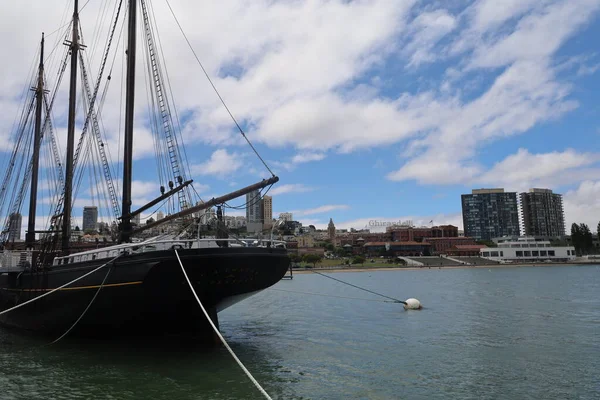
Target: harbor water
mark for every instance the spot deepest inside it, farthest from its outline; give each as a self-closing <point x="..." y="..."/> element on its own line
<point x="484" y="333"/>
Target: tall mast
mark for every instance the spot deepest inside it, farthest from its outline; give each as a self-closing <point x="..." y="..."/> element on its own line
<point x="39" y="97"/>
<point x="74" y="46"/>
<point x="129" y="113"/>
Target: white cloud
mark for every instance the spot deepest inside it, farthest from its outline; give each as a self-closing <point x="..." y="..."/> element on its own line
<point x="525" y="170"/>
<point x="587" y="69"/>
<point x="221" y="164"/>
<point x="290" y="188"/>
<point x="321" y="209"/>
<point x="307" y="157"/>
<point x="582" y="205"/>
<point x="538" y="35"/>
<point x="300" y="158"/>
<point x="525" y="94"/>
<point x="428" y="28"/>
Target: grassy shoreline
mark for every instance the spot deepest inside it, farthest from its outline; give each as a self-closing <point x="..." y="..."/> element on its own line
<point x="396" y="268"/>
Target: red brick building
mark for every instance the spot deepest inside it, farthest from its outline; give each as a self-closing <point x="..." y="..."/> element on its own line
<point x="410" y="233"/>
<point x="466" y="250"/>
<point x="441" y="245"/>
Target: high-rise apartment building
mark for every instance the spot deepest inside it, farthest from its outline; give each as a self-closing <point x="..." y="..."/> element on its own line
<point x="254" y="216"/>
<point x="490" y="213"/>
<point x="542" y="213"/>
<point x="90" y="218"/>
<point x="14" y="227"/>
<point x="267" y="211"/>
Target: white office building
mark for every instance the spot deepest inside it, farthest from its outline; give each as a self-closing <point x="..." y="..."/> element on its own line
<point x="527" y="249"/>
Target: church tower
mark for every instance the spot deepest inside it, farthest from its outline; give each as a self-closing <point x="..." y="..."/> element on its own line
<point x="331" y="230"/>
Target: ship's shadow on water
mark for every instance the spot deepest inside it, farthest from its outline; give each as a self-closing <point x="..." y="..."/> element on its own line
<point x="165" y="367"/>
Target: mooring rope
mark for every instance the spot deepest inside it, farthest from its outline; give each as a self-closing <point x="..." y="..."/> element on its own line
<point x="219" y="333"/>
<point x="58" y="288"/>
<point x="87" y="308"/>
<point x="332" y="295"/>
<point x="361" y="288"/>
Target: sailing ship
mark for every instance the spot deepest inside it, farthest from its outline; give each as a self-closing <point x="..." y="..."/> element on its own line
<point x="142" y="290"/>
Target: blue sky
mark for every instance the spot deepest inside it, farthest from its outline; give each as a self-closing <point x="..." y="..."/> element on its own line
<point x="372" y="109"/>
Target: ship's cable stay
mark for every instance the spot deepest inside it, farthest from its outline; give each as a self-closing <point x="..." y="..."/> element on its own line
<point x="161" y="159"/>
<point x="13" y="162"/>
<point x="17" y="176"/>
<point x="48" y="131"/>
<point x="100" y="22"/>
<point x="332" y="295"/>
<point x="254" y="381"/>
<point x="87" y="308"/>
<point x="217" y="92"/>
<point x="24" y="98"/>
<point x="164" y="119"/>
<point x="93" y="118"/>
<point x="60" y="287"/>
<point x="91" y="115"/>
<point x="361" y="288"/>
<point x="169" y="87"/>
<point x="99" y="140"/>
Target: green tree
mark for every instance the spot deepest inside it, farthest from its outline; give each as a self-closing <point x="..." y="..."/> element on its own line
<point x="587" y="240"/>
<point x="329" y="247"/>
<point x="359" y="260"/>
<point x="598" y="231"/>
<point x="340" y="252"/>
<point x="294" y="258"/>
<point x="576" y="238"/>
<point x="312" y="259"/>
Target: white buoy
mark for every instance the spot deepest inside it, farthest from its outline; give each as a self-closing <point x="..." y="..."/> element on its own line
<point x="412" y="304"/>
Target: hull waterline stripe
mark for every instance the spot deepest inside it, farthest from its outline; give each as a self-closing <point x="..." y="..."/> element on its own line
<point x="77" y="287"/>
<point x="58" y="288"/>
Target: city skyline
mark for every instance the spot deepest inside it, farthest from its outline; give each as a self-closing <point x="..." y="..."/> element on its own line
<point x="434" y="99"/>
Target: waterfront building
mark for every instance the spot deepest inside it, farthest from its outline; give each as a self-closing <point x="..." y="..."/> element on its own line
<point x="542" y="213"/>
<point x="267" y="211"/>
<point x="527" y="249"/>
<point x="411" y="233"/>
<point x="465" y="250"/>
<point x="90" y="218"/>
<point x="443" y="245"/>
<point x="15" y="221"/>
<point x="254" y="218"/>
<point x="489" y="213"/>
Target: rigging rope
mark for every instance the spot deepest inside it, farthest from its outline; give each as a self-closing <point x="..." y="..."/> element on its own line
<point x="216" y="91"/>
<point x="361" y="288"/>
<point x="87" y="308"/>
<point x="60" y="287"/>
<point x="332" y="295"/>
<point x="219" y="333"/>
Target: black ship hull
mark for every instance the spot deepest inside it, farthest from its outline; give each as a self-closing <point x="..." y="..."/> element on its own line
<point x="144" y="295"/>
